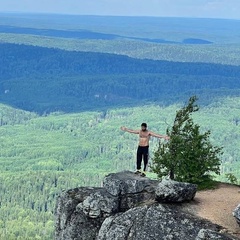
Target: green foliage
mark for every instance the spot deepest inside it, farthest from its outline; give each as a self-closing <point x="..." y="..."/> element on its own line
<point x="207" y="182"/>
<point x="188" y="156"/>
<point x="231" y="178"/>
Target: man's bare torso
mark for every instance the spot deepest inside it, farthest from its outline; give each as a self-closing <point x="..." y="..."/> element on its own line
<point x="144" y="137"/>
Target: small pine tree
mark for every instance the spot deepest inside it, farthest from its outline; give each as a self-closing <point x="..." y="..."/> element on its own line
<point x="188" y="156"/>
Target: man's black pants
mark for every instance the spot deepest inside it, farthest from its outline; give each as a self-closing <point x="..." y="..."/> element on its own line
<point x="142" y="152"/>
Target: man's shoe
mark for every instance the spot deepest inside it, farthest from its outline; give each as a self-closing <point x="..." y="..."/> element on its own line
<point x="138" y="172"/>
<point x="143" y="174"/>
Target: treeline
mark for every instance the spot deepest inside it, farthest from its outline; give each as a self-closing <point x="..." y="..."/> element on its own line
<point x="44" y="80"/>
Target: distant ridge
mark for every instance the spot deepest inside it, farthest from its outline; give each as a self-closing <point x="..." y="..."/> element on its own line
<point x="86" y="34"/>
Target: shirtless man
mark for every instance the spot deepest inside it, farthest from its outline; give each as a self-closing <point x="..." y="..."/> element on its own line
<point x="143" y="146"/>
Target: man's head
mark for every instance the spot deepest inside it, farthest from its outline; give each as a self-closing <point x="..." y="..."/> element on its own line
<point x="144" y="126"/>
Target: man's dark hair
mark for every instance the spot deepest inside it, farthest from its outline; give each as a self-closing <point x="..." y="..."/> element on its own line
<point x="144" y="125"/>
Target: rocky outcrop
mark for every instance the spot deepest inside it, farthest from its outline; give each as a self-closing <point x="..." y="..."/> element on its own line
<point x="81" y="211"/>
<point x="131" y="189"/>
<point x="236" y="214"/>
<point x="152" y="222"/>
<point x="126" y="208"/>
<point x="172" y="191"/>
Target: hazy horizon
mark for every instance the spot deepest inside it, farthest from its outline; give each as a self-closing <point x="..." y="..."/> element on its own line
<point x="99" y="15"/>
<point x="218" y="9"/>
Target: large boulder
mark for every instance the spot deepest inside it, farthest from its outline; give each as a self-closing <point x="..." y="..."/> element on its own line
<point x="171" y="191"/>
<point x="153" y="222"/>
<point x="81" y="211"/>
<point x="131" y="188"/>
<point x="206" y="234"/>
<point x="236" y="214"/>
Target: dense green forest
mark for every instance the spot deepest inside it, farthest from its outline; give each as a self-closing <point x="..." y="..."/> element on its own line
<point x="64" y="97"/>
<point x="46" y="80"/>
<point x="42" y="155"/>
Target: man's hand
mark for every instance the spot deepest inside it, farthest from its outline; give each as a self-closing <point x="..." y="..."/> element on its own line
<point x="123" y="128"/>
<point x="129" y="130"/>
<point x="166" y="138"/>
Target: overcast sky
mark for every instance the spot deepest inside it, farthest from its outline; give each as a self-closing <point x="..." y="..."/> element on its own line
<point x="172" y="8"/>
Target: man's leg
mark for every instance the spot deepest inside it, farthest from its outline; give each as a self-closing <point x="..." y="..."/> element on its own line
<point x="139" y="159"/>
<point x="145" y="159"/>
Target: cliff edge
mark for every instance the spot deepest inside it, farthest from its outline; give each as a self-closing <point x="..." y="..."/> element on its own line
<point x="131" y="207"/>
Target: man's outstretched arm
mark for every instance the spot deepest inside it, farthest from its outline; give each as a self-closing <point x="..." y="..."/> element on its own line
<point x="159" y="136"/>
<point x="129" y="130"/>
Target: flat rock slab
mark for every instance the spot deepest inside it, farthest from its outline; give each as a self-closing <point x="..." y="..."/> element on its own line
<point x="127" y="182"/>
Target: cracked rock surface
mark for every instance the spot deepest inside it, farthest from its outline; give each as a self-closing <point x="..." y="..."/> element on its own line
<point x="126" y="208"/>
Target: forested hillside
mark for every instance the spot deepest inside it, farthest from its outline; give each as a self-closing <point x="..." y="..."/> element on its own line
<point x="41" y="155"/>
<point x="214" y="53"/>
<point x="45" y="80"/>
<point x="64" y="96"/>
